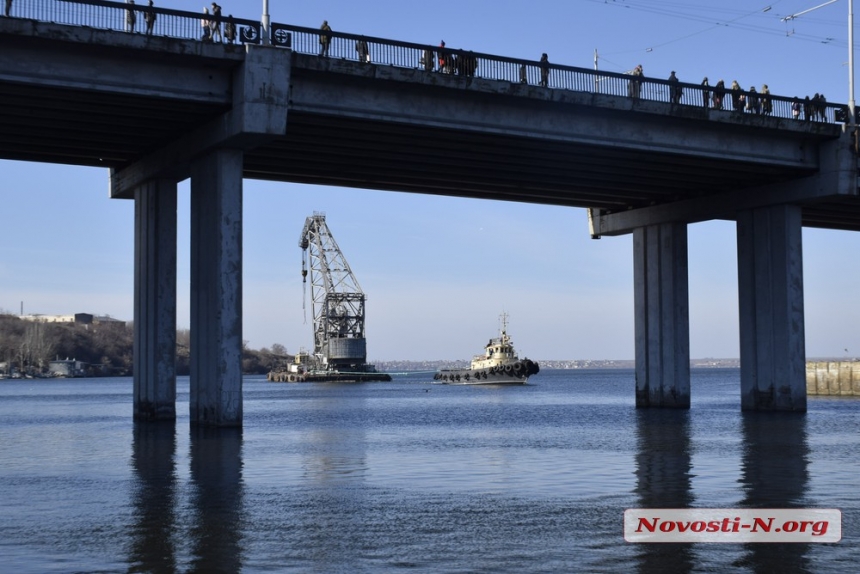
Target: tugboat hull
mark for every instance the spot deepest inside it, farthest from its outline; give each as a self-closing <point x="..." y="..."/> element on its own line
<point x="516" y="373"/>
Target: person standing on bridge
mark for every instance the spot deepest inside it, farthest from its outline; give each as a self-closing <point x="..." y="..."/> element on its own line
<point x="766" y="103"/>
<point x="737" y="97"/>
<point x="216" y="23"/>
<point x="325" y="38"/>
<point x="230" y="30"/>
<point x="706" y="94"/>
<point x="675" y="89"/>
<point x="719" y="94"/>
<point x="205" y="25"/>
<point x="427" y="60"/>
<point x="130" y="17"/>
<point x="363" y="51"/>
<point x="544" y="70"/>
<point x="445" y="64"/>
<point x="149" y="18"/>
<point x="634" y="88"/>
<point x="753" y="102"/>
<point x="8" y="7"/>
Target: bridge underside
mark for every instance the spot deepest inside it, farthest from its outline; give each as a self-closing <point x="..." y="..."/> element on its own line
<point x="45" y="126"/>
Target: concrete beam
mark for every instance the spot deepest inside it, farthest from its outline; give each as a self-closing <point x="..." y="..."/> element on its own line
<point x="105" y="61"/>
<point x="661" y="309"/>
<point x="155" y="301"/>
<point x="216" y="289"/>
<point x="261" y="88"/>
<point x="770" y="286"/>
<point x="837" y="177"/>
<point x="415" y="97"/>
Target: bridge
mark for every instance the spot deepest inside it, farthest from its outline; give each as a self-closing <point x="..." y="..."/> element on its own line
<point x="80" y="86"/>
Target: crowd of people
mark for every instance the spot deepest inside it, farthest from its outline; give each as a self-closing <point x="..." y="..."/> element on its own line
<point x="211" y="26"/>
<point x="752" y="101"/>
<point x="443" y="60"/>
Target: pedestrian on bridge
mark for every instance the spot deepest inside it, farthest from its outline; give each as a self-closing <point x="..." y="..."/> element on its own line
<point x="427" y="60"/>
<point x="363" y="51"/>
<point x="675" y="89"/>
<point x="445" y="63"/>
<point x="719" y="94"/>
<point x="149" y="18"/>
<point x="216" y="23"/>
<point x="8" y="6"/>
<point x="753" y="101"/>
<point x="205" y="25"/>
<point x="634" y="88"/>
<point x="230" y="30"/>
<point x="737" y="97"/>
<point x="766" y="103"/>
<point x="130" y="17"/>
<point x="544" y="70"/>
<point x="706" y="94"/>
<point x="325" y="38"/>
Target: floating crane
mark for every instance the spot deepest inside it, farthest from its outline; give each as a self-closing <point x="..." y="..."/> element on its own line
<point x="337" y="306"/>
<point x="337" y="301"/>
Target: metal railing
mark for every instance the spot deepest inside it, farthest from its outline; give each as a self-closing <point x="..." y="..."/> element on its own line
<point x="111" y="15"/>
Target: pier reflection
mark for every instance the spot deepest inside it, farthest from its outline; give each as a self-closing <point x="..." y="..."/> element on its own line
<point x="663" y="480"/>
<point x="774" y="474"/>
<point x="153" y="536"/>
<point x="335" y="451"/>
<point x="216" y="476"/>
<point x="333" y="523"/>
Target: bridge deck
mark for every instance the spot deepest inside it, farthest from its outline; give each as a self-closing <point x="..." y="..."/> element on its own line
<point x="451" y="146"/>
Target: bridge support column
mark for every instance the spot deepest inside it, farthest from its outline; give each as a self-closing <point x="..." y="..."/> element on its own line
<point x="216" y="289"/>
<point x="155" y="300"/>
<point x="770" y="285"/>
<point x="661" y="316"/>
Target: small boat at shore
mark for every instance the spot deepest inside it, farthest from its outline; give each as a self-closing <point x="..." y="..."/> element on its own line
<point x="499" y="365"/>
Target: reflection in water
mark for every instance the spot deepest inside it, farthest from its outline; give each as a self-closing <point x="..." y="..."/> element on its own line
<point x="334" y="464"/>
<point x="663" y="464"/>
<point x="335" y="448"/>
<point x="153" y="545"/>
<point x="216" y="472"/>
<point x="774" y="475"/>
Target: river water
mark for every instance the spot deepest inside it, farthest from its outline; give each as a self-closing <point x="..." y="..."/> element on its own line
<point x="412" y="476"/>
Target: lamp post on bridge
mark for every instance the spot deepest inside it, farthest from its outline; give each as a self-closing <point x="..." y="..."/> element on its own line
<point x="851" y="120"/>
<point x="265" y="23"/>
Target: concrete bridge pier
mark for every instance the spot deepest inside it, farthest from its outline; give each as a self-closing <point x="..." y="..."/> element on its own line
<point x="155" y="300"/>
<point x="216" y="288"/>
<point x="661" y="316"/>
<point x="770" y="285"/>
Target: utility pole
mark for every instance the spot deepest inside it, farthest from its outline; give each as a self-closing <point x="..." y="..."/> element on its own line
<point x="851" y="119"/>
<point x="265" y="23"/>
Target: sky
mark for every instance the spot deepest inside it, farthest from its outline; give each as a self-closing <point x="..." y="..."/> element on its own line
<point x="439" y="271"/>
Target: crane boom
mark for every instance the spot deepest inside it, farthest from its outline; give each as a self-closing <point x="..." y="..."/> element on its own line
<point x="336" y="298"/>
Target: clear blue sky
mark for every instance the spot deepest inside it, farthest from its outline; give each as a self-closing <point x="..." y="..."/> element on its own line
<point x="433" y="292"/>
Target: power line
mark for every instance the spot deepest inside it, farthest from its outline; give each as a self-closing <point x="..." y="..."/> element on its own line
<point x="734" y="20"/>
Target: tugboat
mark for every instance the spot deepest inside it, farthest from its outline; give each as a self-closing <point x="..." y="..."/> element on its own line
<point x="499" y="365"/>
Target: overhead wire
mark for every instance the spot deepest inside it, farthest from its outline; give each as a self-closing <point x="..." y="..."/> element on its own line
<point x="700" y="13"/>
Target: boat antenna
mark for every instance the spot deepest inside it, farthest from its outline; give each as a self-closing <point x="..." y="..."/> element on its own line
<point x="504" y="318"/>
